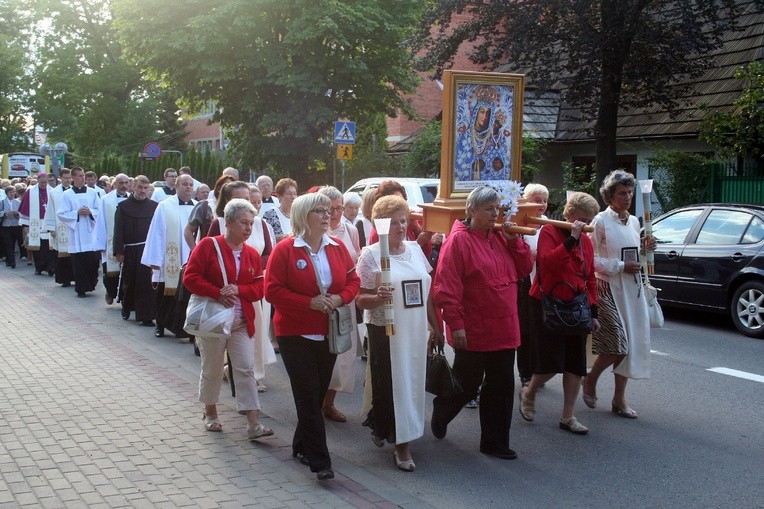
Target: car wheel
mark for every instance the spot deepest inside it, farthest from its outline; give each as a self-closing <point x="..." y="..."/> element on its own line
<point x="747" y="309"/>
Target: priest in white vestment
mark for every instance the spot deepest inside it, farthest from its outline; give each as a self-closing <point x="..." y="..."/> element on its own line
<point x="80" y="207"/>
<point x="105" y="225"/>
<point x="162" y="193"/>
<point x="33" y="208"/>
<point x="166" y="251"/>
<point x="59" y="236"/>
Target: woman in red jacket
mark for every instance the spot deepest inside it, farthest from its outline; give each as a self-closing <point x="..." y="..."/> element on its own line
<point x="309" y="274"/>
<point x="245" y="286"/>
<point x="476" y="286"/>
<point x="562" y="258"/>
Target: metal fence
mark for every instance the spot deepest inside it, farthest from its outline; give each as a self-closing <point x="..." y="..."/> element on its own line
<point x="731" y="184"/>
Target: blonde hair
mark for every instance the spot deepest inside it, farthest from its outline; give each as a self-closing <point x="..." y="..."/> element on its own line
<point x="386" y="206"/>
<point x="581" y="202"/>
<point x="301" y="207"/>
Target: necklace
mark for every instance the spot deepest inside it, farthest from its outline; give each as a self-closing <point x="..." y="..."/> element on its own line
<point x="480" y="140"/>
<point x="285" y="214"/>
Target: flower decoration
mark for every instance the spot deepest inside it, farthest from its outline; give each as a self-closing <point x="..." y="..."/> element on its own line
<point x="509" y="194"/>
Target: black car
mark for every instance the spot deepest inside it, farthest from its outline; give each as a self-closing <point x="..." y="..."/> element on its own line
<point x="710" y="257"/>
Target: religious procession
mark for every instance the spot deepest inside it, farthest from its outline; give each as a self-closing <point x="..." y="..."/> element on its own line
<point x="248" y="272"/>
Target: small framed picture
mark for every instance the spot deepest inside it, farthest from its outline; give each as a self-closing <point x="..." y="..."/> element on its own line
<point x="629" y="254"/>
<point x="412" y="293"/>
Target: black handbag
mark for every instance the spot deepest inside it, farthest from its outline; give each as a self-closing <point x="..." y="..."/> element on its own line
<point x="567" y="317"/>
<point x="440" y="379"/>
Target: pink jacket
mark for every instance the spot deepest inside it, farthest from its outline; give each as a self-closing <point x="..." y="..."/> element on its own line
<point x="476" y="286"/>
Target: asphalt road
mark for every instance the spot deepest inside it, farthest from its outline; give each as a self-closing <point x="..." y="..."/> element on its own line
<point x="699" y="440"/>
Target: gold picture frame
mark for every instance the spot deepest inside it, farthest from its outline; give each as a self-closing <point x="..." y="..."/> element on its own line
<point x="482" y="130"/>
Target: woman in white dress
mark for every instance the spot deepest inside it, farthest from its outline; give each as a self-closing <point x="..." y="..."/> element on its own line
<point x="278" y="217"/>
<point x="398" y="362"/>
<point x="262" y="241"/>
<point x="623" y="340"/>
<point x="343" y="376"/>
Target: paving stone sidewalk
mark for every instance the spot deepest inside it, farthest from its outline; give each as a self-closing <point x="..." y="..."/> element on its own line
<point x="89" y="422"/>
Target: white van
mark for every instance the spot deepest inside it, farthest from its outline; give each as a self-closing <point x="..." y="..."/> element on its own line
<point x="23" y="164"/>
<point x="418" y="190"/>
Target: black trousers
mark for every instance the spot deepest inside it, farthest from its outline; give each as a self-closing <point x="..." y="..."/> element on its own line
<point x="110" y="282"/>
<point x="64" y="269"/>
<point x="137" y="292"/>
<point x="309" y="365"/>
<point x="381" y="418"/>
<point x="44" y="258"/>
<point x="12" y="236"/>
<point x="496" y="371"/>
<point x="85" y="266"/>
<point x="526" y="351"/>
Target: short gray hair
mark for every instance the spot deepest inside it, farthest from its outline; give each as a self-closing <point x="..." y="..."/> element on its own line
<point x="331" y="192"/>
<point x="615" y="178"/>
<point x="235" y="206"/>
<point x="479" y="196"/>
<point x="233" y="172"/>
<point x="301" y="207"/>
<point x="351" y="200"/>
<point x="533" y="188"/>
<point x="263" y="178"/>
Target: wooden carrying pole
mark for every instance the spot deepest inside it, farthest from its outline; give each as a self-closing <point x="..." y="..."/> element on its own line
<point x="527" y="220"/>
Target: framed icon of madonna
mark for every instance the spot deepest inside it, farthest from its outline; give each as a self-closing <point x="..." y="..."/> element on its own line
<point x="482" y="130"/>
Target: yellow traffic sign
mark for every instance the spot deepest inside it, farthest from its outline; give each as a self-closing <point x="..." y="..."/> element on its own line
<point x="345" y="152"/>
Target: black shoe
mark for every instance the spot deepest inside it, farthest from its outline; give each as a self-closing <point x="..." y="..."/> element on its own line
<point x="148" y="323"/>
<point x="13" y="265"/>
<point x="505" y="454"/>
<point x="51" y="273"/>
<point x="325" y="474"/>
<point x="301" y="458"/>
<point x="159" y="331"/>
<point x="125" y="314"/>
<point x="38" y="273"/>
<point x="438" y="428"/>
<point x="81" y="295"/>
<point x="109" y="299"/>
<point x="66" y="285"/>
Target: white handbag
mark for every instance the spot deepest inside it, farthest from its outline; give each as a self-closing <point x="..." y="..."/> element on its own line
<point x="654" y="310"/>
<point x="206" y="317"/>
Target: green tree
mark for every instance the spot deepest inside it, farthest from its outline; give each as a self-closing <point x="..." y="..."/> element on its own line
<point x="681" y="178"/>
<point x="281" y="71"/>
<point x="423" y="159"/>
<point x="602" y="55"/>
<point x="740" y="133"/>
<point x="14" y="44"/>
<point x="88" y="94"/>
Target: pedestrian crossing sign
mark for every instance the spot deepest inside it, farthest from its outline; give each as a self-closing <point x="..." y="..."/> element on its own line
<point x="344" y="132"/>
<point x="344" y="152"/>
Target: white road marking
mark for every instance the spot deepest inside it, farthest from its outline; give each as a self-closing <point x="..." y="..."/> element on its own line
<point x="656" y="352"/>
<point x="738" y="374"/>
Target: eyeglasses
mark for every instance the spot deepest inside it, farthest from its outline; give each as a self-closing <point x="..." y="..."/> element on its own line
<point x="336" y="209"/>
<point x="321" y="212"/>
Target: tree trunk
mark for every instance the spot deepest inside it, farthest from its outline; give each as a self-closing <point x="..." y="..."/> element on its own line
<point x="614" y="51"/>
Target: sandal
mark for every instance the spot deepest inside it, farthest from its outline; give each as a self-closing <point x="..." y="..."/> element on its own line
<point x="527" y="407"/>
<point x="626" y="412"/>
<point x="261" y="387"/>
<point x="259" y="431"/>
<point x="212" y="424"/>
<point x="405" y="465"/>
<point x="589" y="400"/>
<point x="333" y="414"/>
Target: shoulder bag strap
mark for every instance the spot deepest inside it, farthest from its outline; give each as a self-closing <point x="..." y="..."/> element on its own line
<point x="220" y="261"/>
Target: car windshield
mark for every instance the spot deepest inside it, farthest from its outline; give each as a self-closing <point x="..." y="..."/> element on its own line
<point x="429" y="192"/>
